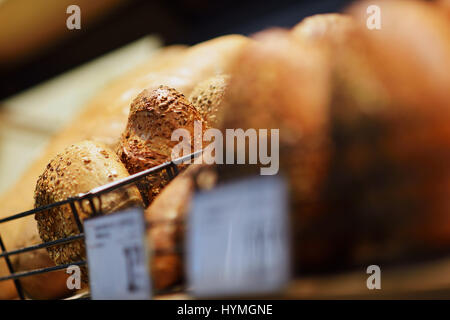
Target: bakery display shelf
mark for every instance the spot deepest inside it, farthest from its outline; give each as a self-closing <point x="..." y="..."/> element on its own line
<point x="90" y="199"/>
<point x="424" y="280"/>
<point x="419" y="280"/>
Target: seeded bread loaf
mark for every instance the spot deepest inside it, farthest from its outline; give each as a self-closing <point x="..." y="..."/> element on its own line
<point x="78" y="169"/>
<point x="147" y="139"/>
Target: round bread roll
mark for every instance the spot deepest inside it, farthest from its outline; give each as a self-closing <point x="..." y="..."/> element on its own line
<point x="278" y="82"/>
<point x="147" y="139"/>
<point x="78" y="169"/>
<point x="207" y="97"/>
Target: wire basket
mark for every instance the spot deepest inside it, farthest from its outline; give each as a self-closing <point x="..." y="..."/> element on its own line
<point x="171" y="170"/>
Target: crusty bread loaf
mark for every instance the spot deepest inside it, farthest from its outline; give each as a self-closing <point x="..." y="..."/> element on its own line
<point x="103" y="119"/>
<point x="278" y="82"/>
<point x="167" y="219"/>
<point x="444" y="3"/>
<point x="388" y="176"/>
<point x="78" y="169"/>
<point x="388" y="134"/>
<point x="147" y="139"/>
<point x="207" y="97"/>
<point x="394" y="135"/>
<point x="325" y="28"/>
<point x="352" y="82"/>
<point x="411" y="49"/>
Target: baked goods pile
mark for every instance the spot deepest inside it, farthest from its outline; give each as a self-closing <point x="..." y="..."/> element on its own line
<point x="363" y="117"/>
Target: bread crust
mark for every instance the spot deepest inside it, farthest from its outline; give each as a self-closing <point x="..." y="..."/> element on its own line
<point x="390" y="138"/>
<point x="326" y="29"/>
<point x="412" y="41"/>
<point x="207" y="98"/>
<point x="78" y="169"/>
<point x="147" y="139"/>
<point x="400" y="158"/>
<point x="167" y="219"/>
<point x="278" y="82"/>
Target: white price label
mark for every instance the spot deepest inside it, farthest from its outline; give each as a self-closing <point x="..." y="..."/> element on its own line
<point x="117" y="256"/>
<point x="238" y="239"/>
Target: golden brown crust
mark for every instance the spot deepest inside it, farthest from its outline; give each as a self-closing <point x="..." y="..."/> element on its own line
<point x="166" y="216"/>
<point x="207" y="97"/>
<point x="328" y="28"/>
<point x="279" y="82"/>
<point x="203" y="61"/>
<point x="147" y="139"/>
<point x="40" y="289"/>
<point x="399" y="161"/>
<point x="386" y="122"/>
<point x="412" y="48"/>
<point x="78" y="169"/>
<point x="389" y="114"/>
<point x="383" y="178"/>
<point x="445" y="4"/>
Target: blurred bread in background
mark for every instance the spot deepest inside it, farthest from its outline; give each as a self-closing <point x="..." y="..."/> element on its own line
<point x="279" y="82"/>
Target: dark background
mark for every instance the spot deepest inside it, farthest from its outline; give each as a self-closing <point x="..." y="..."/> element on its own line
<point x="177" y="22"/>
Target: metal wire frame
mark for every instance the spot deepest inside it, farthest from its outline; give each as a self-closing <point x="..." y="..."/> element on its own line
<point x="171" y="169"/>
